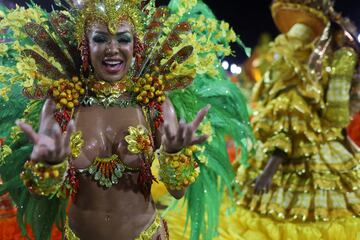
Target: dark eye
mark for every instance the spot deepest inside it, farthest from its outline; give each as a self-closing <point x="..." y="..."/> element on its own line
<point x="124" y="39"/>
<point x="99" y="39"/>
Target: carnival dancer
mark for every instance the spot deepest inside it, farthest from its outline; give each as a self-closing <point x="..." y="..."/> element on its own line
<point x="101" y="71"/>
<point x="303" y="182"/>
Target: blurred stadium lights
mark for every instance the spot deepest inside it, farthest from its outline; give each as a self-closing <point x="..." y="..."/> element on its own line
<point x="225" y="64"/>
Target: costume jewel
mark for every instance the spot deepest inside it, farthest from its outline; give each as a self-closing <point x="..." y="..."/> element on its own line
<point x="44" y="179"/>
<point x="179" y="170"/>
<point x="139" y="140"/>
<point x="112" y="12"/>
<point x="107" y="94"/>
<point x="107" y="171"/>
<point x="111" y="101"/>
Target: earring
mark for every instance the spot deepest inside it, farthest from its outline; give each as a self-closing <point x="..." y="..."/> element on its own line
<point x="139" y="48"/>
<point x="132" y="62"/>
<point x="131" y="71"/>
<point x="85" y="52"/>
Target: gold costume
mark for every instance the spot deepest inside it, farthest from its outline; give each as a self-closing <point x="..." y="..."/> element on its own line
<point x="315" y="193"/>
<point x="321" y="180"/>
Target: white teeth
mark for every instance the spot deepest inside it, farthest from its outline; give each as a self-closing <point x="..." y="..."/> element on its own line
<point x="113" y="62"/>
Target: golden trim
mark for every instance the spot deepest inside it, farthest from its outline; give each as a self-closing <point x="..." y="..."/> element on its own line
<point x="76" y="144"/>
<point x="44" y="179"/>
<point x="147" y="234"/>
<point x="112" y="13"/>
<point x="69" y="234"/>
<point x="151" y="230"/>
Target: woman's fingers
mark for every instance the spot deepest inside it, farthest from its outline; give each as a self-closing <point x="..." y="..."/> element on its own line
<point x="200" y="117"/>
<point x="48" y="109"/>
<point x="47" y="117"/>
<point x="168" y="134"/>
<point x="50" y="145"/>
<point x="188" y="135"/>
<point x="180" y="132"/>
<point x="40" y="153"/>
<point x="55" y="142"/>
<point x="257" y="188"/>
<point x="185" y="133"/>
<point x="56" y="135"/>
<point x="199" y="139"/>
<point x="262" y="185"/>
<point x="28" y="130"/>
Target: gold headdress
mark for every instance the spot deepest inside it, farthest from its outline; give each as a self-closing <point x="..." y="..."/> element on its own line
<point x="313" y="13"/>
<point x="112" y="12"/>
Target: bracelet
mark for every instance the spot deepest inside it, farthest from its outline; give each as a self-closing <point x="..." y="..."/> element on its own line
<point x="43" y="179"/>
<point x="178" y="170"/>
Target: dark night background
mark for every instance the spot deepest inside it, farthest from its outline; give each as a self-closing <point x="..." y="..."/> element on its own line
<point x="249" y="18"/>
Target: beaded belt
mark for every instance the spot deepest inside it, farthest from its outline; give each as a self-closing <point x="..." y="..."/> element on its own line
<point x="147" y="234"/>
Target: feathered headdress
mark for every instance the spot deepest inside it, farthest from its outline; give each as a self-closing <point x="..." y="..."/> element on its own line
<point x="112" y="12"/>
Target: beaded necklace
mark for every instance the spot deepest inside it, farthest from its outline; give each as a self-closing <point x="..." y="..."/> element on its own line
<point x="108" y="94"/>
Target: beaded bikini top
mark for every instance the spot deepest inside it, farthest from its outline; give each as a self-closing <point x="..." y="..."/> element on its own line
<point x="107" y="171"/>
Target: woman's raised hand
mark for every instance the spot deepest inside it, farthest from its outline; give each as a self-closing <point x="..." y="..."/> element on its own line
<point x="183" y="134"/>
<point x="50" y="144"/>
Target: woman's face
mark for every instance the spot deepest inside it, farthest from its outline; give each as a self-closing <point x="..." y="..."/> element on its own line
<point x="110" y="54"/>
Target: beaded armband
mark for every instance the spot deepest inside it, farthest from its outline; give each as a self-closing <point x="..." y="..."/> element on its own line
<point x="178" y="170"/>
<point x="43" y="179"/>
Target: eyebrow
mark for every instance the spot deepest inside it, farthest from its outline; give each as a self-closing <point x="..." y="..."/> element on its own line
<point x="117" y="34"/>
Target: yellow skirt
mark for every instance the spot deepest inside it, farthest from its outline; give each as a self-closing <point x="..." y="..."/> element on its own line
<point x="249" y="225"/>
<point x="244" y="224"/>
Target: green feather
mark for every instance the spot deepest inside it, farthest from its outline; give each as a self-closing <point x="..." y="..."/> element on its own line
<point x="228" y="117"/>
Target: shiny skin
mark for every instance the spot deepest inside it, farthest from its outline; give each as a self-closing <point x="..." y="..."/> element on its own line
<point x="120" y="212"/>
<point x="104" y="46"/>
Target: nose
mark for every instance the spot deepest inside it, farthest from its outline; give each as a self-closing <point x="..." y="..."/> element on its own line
<point x="112" y="48"/>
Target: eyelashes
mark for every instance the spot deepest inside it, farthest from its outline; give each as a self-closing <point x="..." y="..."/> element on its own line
<point x="104" y="39"/>
<point x="99" y="39"/>
<point x="124" y="39"/>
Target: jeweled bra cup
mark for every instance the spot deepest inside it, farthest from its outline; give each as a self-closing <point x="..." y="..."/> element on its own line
<point x="107" y="171"/>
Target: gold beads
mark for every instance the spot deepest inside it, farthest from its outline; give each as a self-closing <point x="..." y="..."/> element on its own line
<point x="149" y="88"/>
<point x="43" y="179"/>
<point x="178" y="170"/>
<point x="67" y="93"/>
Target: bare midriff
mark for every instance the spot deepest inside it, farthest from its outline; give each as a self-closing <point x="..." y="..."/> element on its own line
<point x="121" y="211"/>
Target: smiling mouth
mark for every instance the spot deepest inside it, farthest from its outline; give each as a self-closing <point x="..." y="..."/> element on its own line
<point x="113" y="66"/>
